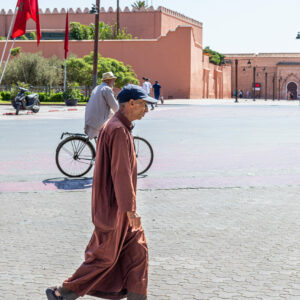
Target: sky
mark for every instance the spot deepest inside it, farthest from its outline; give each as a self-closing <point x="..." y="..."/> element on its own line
<point x="231" y="26"/>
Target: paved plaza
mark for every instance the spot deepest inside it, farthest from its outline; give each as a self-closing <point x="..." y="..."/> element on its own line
<point x="220" y="205"/>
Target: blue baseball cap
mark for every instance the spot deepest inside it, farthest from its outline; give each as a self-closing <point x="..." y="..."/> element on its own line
<point x="135" y="92"/>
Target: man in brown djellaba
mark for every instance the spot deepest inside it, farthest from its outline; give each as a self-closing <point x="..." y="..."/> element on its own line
<point x="116" y="258"/>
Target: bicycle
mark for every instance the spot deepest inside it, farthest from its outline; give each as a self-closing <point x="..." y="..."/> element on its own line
<point x="75" y="155"/>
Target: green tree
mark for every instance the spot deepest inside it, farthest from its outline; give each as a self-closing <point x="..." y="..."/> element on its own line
<point x="106" y="32"/>
<point x="23" y="37"/>
<point x="214" y="56"/>
<point x="32" y="35"/>
<point x="139" y="5"/>
<point x="34" y="69"/>
<point x="80" y="31"/>
<point x="80" y="70"/>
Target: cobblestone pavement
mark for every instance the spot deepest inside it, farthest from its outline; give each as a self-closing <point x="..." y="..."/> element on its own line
<point x="240" y="243"/>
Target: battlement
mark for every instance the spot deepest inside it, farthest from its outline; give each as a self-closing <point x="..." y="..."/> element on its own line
<point x="86" y="10"/>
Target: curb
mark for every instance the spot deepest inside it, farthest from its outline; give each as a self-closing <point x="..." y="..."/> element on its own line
<point x="13" y="114"/>
<point x="50" y="110"/>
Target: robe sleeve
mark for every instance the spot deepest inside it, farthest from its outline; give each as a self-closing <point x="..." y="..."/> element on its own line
<point x="121" y="171"/>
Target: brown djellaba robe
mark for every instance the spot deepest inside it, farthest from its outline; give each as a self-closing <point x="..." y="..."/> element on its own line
<point x="116" y="258"/>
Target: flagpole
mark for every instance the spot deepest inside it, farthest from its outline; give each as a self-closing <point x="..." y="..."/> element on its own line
<point x="66" y="47"/>
<point x="65" y="79"/>
<point x="7" y="60"/>
<point x="8" y="35"/>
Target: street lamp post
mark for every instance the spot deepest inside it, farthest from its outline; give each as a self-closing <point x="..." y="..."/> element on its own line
<point x="254" y="79"/>
<point x="273" y="80"/>
<point x="236" y="77"/>
<point x="236" y="81"/>
<point x="279" y="88"/>
<point x="266" y="85"/>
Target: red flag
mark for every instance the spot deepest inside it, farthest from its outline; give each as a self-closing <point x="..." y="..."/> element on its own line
<point x="27" y="9"/>
<point x="66" y="46"/>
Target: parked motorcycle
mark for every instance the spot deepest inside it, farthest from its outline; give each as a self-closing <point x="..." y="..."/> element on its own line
<point x="26" y="102"/>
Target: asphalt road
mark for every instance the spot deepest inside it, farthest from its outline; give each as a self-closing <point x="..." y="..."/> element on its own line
<point x="195" y="146"/>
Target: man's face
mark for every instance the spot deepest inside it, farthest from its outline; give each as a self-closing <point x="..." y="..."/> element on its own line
<point x="139" y="108"/>
<point x="111" y="82"/>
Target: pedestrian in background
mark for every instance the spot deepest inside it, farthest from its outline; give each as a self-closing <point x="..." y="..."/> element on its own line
<point x="241" y="94"/>
<point x="147" y="87"/>
<point x="116" y="258"/>
<point x="156" y="88"/>
<point x="100" y="106"/>
<point x="247" y="94"/>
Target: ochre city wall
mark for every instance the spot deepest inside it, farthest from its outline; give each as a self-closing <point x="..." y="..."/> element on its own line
<point x="281" y="68"/>
<point x="151" y="23"/>
<point x="169" y="49"/>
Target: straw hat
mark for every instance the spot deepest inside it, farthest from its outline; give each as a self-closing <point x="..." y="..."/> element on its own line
<point x="108" y="75"/>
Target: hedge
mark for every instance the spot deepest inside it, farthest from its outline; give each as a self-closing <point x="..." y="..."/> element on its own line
<point x="44" y="97"/>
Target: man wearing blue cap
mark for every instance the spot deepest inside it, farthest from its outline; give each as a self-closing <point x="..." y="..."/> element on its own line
<point x="116" y="258"/>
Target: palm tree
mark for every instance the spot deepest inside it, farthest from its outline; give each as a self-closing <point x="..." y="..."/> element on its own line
<point x="139" y="5"/>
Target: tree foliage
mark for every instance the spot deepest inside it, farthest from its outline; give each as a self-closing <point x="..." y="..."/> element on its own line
<point x="214" y="56"/>
<point x="32" y="35"/>
<point x="139" y="5"/>
<point x="106" y="32"/>
<point x="80" y="70"/>
<point x="34" y="69"/>
<point x="23" y="37"/>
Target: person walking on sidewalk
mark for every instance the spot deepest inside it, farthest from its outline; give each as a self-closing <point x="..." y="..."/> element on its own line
<point x="116" y="258"/>
<point x="147" y="87"/>
<point x="156" y="88"/>
<point x="100" y="106"/>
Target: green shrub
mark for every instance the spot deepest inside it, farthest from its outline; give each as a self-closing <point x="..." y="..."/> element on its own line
<point x="32" y="35"/>
<point x="71" y="93"/>
<point x="15" y="51"/>
<point x="2" y="38"/>
<point x="57" y="97"/>
<point x="43" y="97"/>
<point x="34" y="69"/>
<point x="106" y="32"/>
<point x="214" y="56"/>
<point x="5" y="95"/>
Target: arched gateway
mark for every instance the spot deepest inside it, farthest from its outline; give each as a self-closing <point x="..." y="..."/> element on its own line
<point x="292" y="91"/>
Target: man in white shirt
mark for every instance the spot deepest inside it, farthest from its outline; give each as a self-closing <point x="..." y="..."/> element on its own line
<point x="147" y="87"/>
<point x="100" y="106"/>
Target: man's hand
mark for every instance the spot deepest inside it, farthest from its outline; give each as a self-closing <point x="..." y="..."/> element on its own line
<point x="134" y="220"/>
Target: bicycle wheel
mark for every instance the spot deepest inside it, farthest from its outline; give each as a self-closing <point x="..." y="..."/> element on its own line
<point x="74" y="156"/>
<point x="144" y="154"/>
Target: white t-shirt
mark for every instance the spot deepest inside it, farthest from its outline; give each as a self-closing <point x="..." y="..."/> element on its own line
<point x="147" y="87"/>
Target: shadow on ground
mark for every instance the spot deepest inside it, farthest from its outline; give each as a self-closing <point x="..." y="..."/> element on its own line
<point x="70" y="184"/>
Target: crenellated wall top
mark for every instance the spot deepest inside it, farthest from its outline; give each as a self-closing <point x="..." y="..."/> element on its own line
<point x="179" y="15"/>
<point x="86" y="10"/>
